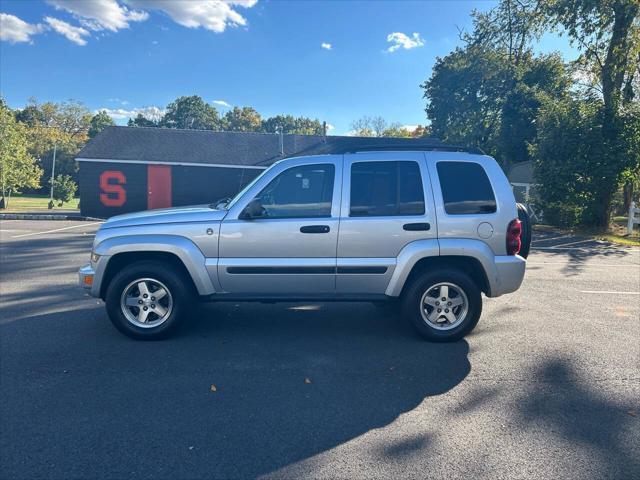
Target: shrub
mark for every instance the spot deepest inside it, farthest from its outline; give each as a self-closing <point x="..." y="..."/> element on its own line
<point x="64" y="189"/>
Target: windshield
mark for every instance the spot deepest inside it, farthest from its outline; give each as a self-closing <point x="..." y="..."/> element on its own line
<point x="239" y="195"/>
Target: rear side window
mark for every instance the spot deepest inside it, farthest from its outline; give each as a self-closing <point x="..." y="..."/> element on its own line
<point x="386" y="189"/>
<point x="465" y="188"/>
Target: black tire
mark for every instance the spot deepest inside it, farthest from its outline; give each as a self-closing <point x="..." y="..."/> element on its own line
<point x="412" y="301"/>
<point x="181" y="294"/>
<point x="525" y="238"/>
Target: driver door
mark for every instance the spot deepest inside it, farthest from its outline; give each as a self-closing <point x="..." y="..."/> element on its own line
<point x="288" y="246"/>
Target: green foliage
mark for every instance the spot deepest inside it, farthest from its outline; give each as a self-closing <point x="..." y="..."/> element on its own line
<point x="242" y="119"/>
<point x="141" y="121"/>
<point x="99" y="122"/>
<point x="575" y="165"/>
<point x="63" y="125"/>
<point x="17" y="168"/>
<point x="64" y="189"/>
<point x="476" y="99"/>
<point x="608" y="34"/>
<point x="191" y="113"/>
<point x="288" y="124"/>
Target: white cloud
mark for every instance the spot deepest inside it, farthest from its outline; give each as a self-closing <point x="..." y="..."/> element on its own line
<point x="15" y="30"/>
<point x="330" y="127"/>
<point x="222" y="103"/>
<point x="74" y="34"/>
<point x="326" y="46"/>
<point x="400" y="40"/>
<point x="152" y="113"/>
<point x="214" y="15"/>
<point x="100" y="14"/>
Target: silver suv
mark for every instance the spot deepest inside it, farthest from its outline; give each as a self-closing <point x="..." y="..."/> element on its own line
<point x="429" y="229"/>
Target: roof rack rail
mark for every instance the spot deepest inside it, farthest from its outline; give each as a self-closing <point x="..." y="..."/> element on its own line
<point x="431" y="147"/>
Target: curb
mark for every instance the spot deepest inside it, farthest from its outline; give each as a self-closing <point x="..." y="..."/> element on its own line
<point x="31" y="216"/>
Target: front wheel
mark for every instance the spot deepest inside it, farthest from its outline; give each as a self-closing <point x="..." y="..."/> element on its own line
<point x="443" y="305"/>
<point x="146" y="300"/>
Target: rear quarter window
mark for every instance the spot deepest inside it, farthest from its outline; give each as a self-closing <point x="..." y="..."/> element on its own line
<point x="466" y="189"/>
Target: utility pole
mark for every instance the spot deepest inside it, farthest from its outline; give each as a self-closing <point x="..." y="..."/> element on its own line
<point x="53" y="172"/>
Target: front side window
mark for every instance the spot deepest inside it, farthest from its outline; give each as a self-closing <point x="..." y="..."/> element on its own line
<point x="386" y="189"/>
<point x="466" y="189"/>
<point x="304" y="191"/>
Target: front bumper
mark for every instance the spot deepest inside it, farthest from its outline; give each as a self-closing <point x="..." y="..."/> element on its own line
<point x="86" y="276"/>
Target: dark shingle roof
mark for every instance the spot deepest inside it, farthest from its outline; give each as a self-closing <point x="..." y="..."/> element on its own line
<point x="225" y="148"/>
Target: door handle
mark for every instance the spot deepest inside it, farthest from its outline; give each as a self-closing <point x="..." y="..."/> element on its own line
<point x="315" y="229"/>
<point x="415" y="227"/>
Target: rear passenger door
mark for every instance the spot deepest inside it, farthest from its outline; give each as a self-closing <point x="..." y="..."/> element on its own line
<point x="467" y="200"/>
<point x="386" y="204"/>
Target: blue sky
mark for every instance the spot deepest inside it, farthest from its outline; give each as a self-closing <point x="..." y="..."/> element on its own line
<point x="135" y="54"/>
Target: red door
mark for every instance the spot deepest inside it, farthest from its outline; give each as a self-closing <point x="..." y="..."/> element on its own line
<point x="158" y="186"/>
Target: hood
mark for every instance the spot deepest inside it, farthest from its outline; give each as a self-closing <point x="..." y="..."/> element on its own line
<point x="195" y="213"/>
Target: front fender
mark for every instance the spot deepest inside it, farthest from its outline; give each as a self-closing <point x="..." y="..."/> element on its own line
<point x="190" y="255"/>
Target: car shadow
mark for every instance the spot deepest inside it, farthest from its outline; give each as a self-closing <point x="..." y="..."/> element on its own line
<point x="242" y="391"/>
<point x="578" y="254"/>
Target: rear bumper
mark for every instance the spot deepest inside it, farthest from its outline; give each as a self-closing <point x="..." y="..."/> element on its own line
<point x="509" y="274"/>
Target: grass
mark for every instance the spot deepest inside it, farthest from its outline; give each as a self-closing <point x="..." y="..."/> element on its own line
<point x="24" y="203"/>
<point x="629" y="240"/>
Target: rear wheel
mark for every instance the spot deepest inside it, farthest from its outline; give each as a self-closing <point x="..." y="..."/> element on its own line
<point x="146" y="300"/>
<point x="443" y="305"/>
<point x="525" y="236"/>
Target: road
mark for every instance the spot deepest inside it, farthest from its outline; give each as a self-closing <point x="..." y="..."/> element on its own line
<point x="548" y="385"/>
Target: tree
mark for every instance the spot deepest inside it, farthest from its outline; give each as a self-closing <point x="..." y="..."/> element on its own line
<point x="608" y="34"/>
<point x="289" y="124"/>
<point x="488" y="97"/>
<point x="378" y="127"/>
<point x="63" y="125"/>
<point x="141" y="121"/>
<point x="191" y="113"/>
<point x="99" y="122"/>
<point x="64" y="189"/>
<point x="421" y="131"/>
<point x="465" y="95"/>
<point x="17" y="168"/>
<point x="242" y="119"/>
<point x="369" y="126"/>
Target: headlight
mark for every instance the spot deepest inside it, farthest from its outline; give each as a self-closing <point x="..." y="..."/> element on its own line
<point x="94" y="257"/>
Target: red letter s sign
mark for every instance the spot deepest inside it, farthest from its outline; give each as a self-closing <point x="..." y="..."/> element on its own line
<point x="111" y="182"/>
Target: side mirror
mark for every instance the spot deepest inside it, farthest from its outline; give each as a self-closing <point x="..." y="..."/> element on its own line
<point x="253" y="210"/>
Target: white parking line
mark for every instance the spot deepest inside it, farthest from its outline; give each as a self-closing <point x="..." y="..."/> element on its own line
<point x="609" y="292"/>
<point x="56" y="230"/>
<point x="551" y="238"/>
<point x="592" y="265"/>
<point x="573" y="243"/>
<point x="584" y="249"/>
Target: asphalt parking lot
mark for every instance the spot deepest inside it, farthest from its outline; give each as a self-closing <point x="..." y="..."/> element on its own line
<point x="548" y="385"/>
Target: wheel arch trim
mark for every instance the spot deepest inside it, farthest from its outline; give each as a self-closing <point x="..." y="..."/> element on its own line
<point x="412" y="253"/>
<point x="184" y="249"/>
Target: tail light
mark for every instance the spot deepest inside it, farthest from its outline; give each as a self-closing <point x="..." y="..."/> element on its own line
<point x="514" y="230"/>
